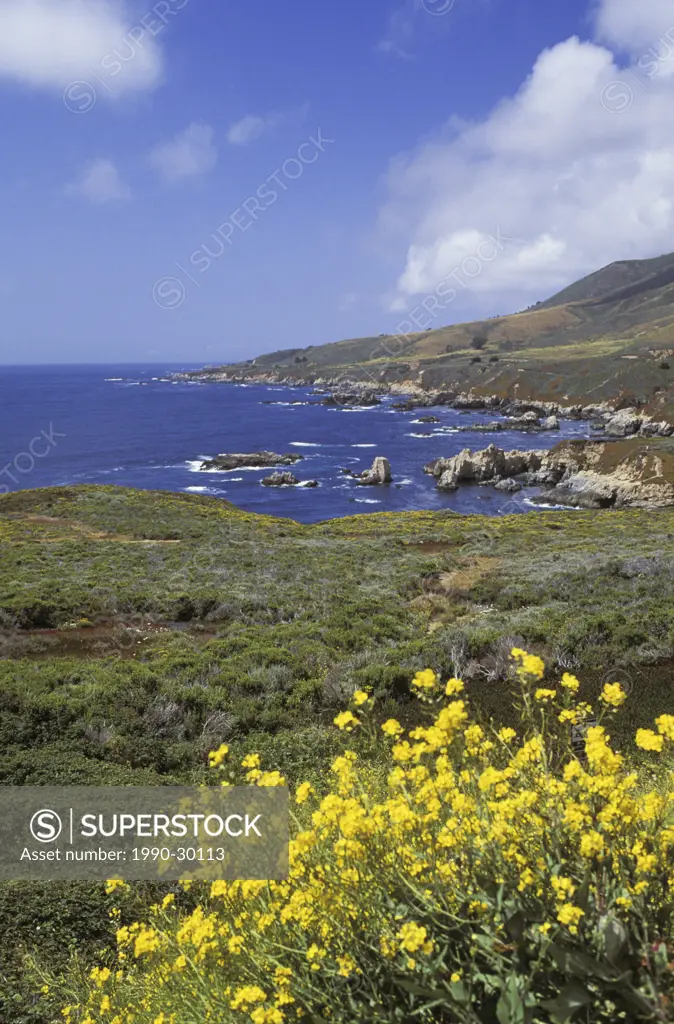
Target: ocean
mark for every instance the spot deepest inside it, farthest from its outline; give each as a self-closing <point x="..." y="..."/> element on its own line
<point x="133" y="427"/>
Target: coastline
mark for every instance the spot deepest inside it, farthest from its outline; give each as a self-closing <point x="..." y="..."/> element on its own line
<point x="627" y="462"/>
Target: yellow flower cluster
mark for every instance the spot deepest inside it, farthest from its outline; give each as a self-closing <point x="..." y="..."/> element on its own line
<point x="408" y="868"/>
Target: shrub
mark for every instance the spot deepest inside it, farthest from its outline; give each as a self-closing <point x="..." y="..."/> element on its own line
<point x="456" y="872"/>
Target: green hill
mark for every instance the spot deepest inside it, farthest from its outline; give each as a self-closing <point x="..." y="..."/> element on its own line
<point x="607" y="337"/>
<point x="139" y="629"/>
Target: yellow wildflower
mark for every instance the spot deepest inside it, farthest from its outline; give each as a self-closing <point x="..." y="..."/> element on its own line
<point x="570" y="916"/>
<point x="613" y="695"/>
<point x="569" y="682"/>
<point x="591" y="844"/>
<point x="303" y="792"/>
<point x="412" y="937"/>
<point x="648" y="740"/>
<point x="529" y="664"/>
<point x="665" y="725"/>
<point x="425" y="680"/>
<point x="216" y="757"/>
<point x="346" y="721"/>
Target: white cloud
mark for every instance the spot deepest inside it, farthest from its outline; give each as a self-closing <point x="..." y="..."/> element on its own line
<point x="250" y="128"/>
<point x="99" y="182"/>
<point x="188" y="155"/>
<point x="53" y="43"/>
<point x="634" y="26"/>
<point x="577" y="169"/>
<point x="413" y="20"/>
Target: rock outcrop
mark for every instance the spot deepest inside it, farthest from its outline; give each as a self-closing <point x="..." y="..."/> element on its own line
<point x="582" y="474"/>
<point x="491" y="464"/>
<point x="250" y="460"/>
<point x="624" y="423"/>
<point x="287" y="480"/>
<point x="280" y="480"/>
<point x="379" y="473"/>
<point x="365" y="396"/>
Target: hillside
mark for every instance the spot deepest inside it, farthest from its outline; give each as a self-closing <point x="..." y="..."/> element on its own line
<point x="613" y="278"/>
<point x="607" y="337"/>
<point x="138" y="630"/>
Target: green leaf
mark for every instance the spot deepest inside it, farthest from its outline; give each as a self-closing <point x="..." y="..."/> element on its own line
<point x="581" y="897"/>
<point x="580" y="965"/>
<point x="571" y="998"/>
<point x="515" y="926"/>
<point x="510" y="1007"/>
<point x="615" y="938"/>
<point x="459" y="993"/>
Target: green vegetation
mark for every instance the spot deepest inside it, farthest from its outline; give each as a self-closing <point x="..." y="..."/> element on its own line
<point x="606" y="338"/>
<point x="140" y="630"/>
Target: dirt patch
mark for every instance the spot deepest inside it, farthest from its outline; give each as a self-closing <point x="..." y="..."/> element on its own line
<point x="430" y="547"/>
<point x="112" y="640"/>
<point x="88" y="532"/>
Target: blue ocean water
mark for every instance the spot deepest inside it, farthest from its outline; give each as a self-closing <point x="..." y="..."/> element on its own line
<point x="131" y="426"/>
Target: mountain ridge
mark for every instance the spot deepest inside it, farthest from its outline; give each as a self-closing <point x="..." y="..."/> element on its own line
<point x="605" y="338"/>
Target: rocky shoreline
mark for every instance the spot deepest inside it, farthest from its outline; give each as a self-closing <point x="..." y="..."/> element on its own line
<point x="628" y="463"/>
<point x="580" y="474"/>
<point x="616" y="420"/>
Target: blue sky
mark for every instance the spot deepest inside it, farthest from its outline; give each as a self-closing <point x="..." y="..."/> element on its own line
<point x="191" y="181"/>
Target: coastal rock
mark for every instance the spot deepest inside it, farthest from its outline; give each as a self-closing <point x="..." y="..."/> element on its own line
<point x="251" y="460"/>
<point x="380" y="473"/>
<point x="512" y="486"/>
<point x="550" y="423"/>
<point x="287" y="480"/>
<point x="649" y="428"/>
<point x="525" y="419"/>
<point x="428" y="419"/>
<point x="483" y="428"/>
<point x="627" y="474"/>
<point x="366" y="397"/>
<point x="280" y="480"/>
<point x="485" y="465"/>
<point x="623" y="423"/>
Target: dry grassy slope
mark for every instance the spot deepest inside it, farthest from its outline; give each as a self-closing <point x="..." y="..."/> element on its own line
<point x="604" y="338"/>
<point x="609" y="279"/>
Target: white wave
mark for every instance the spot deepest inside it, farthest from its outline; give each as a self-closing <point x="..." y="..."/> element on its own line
<point x="114" y="378"/>
<point x="425" y="436"/>
<point x="305" y="444"/>
<point x="363" y="446"/>
<point x="305" y="483"/>
<point x="367" y="501"/>
<point x="404" y="482"/>
<point x="205" y="490"/>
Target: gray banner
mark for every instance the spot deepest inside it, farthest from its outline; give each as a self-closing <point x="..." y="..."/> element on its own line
<point x="143" y="833"/>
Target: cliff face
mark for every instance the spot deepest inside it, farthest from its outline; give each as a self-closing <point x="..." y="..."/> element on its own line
<point x="637" y="473"/>
<point x="620" y="474"/>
